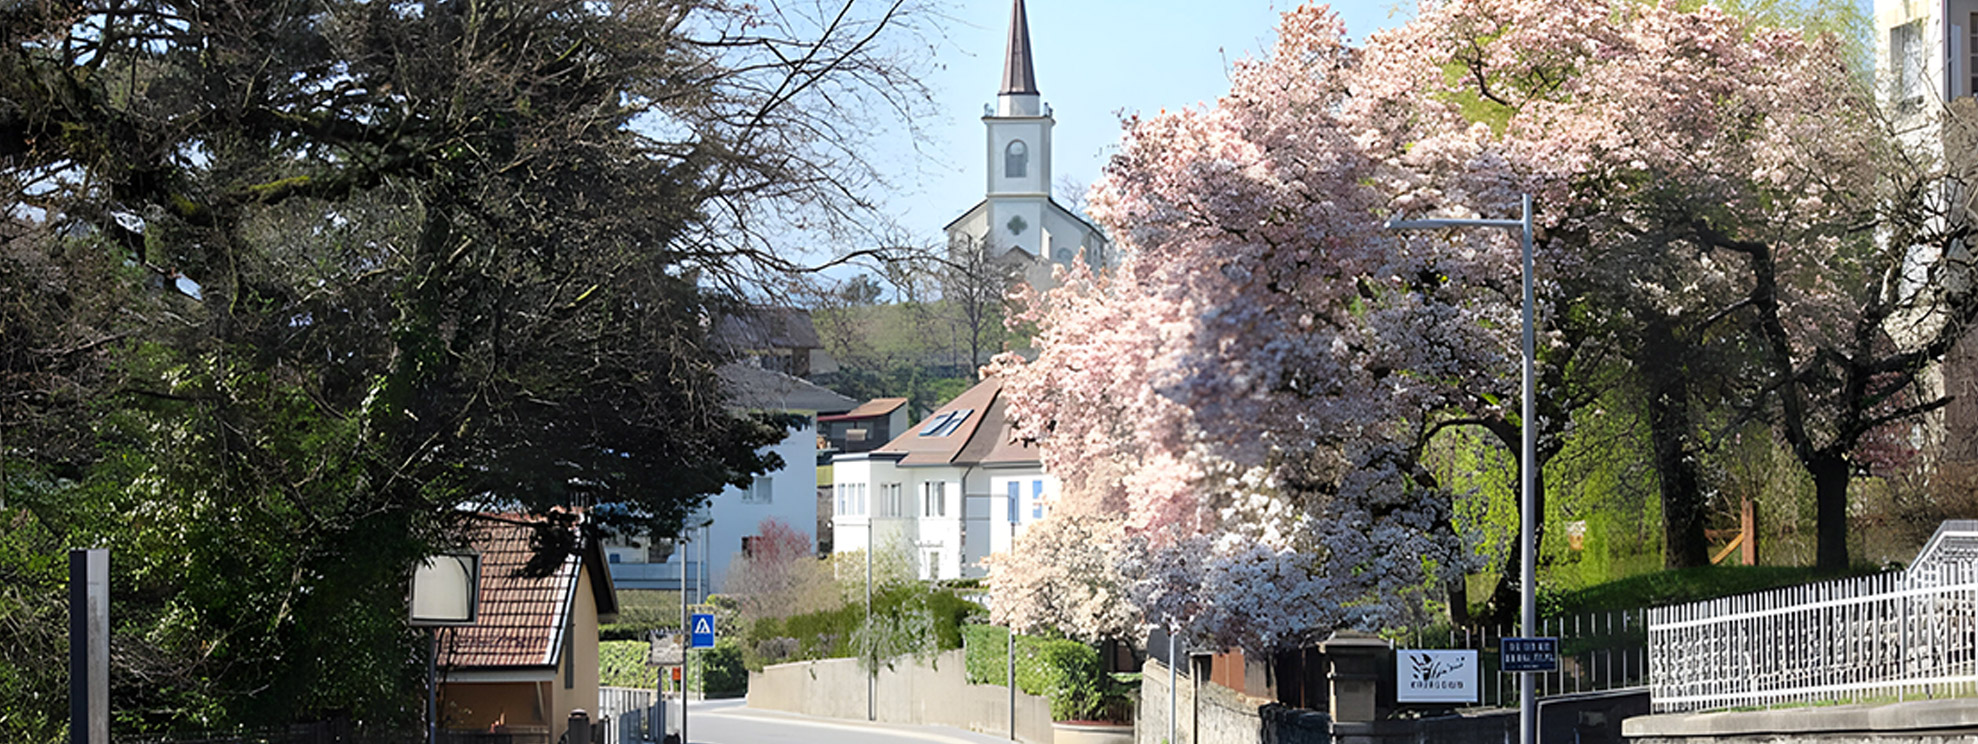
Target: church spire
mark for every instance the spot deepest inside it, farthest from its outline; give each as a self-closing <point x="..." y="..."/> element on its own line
<point x="1018" y="77"/>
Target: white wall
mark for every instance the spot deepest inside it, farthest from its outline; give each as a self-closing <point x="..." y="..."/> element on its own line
<point x="734" y="514"/>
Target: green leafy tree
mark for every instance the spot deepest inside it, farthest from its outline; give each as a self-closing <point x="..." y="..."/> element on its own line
<point x="292" y="286"/>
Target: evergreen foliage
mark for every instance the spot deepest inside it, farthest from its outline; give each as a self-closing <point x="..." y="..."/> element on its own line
<point x="288" y="288"/>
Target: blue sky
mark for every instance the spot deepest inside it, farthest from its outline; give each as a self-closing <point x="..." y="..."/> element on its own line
<point x="1094" y="60"/>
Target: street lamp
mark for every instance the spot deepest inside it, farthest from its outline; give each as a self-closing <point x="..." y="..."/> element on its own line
<point x="1528" y="472"/>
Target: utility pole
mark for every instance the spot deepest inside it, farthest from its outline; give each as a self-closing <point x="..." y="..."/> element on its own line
<point x="686" y="631"/>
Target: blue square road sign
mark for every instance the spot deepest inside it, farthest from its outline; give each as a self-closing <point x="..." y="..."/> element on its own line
<point x="701" y="633"/>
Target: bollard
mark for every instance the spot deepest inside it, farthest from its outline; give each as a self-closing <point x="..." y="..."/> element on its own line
<point x="580" y="728"/>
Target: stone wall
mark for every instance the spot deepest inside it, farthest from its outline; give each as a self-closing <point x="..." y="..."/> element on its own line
<point x="1209" y="713"/>
<point x="1217" y="714"/>
<point x="908" y="693"/>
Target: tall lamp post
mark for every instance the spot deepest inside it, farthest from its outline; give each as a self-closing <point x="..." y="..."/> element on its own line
<point x="1528" y="460"/>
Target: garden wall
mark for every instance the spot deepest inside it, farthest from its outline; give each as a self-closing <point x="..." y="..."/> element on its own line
<point x="938" y="694"/>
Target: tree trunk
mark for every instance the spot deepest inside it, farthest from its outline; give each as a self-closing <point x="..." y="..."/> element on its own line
<point x="1683" y="541"/>
<point x="1830" y="487"/>
<point x="1507" y="598"/>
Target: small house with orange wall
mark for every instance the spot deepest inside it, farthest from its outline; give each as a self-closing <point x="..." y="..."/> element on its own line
<point x="531" y="657"/>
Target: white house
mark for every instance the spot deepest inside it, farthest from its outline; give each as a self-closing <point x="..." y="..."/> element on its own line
<point x="789" y="494"/>
<point x="1017" y="221"/>
<point x="954" y="488"/>
<point x="1927" y="58"/>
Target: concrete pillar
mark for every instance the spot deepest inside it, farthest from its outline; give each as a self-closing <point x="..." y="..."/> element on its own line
<point x="1353" y="672"/>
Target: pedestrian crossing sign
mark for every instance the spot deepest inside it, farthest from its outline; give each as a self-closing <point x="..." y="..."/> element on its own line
<point x="702" y="634"/>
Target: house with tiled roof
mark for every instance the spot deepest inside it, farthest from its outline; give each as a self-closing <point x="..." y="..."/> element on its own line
<point x="531" y="657"/>
<point x="865" y="428"/>
<point x="955" y="488"/>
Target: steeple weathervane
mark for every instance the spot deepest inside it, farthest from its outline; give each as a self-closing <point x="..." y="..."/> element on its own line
<point x="1018" y="77"/>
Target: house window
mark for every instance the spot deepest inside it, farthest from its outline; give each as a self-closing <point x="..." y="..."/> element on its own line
<point x="1016" y="160"/>
<point x="933" y="565"/>
<point x="841" y="499"/>
<point x="936" y="502"/>
<point x="890" y="502"/>
<point x="1016" y="492"/>
<point x="615" y="558"/>
<point x="861" y="498"/>
<point x="1906" y="57"/>
<point x="1971" y="54"/>
<point x="954" y="422"/>
<point x="945" y="423"/>
<point x="748" y="546"/>
<point x="1037" y="499"/>
<point x="759" y="491"/>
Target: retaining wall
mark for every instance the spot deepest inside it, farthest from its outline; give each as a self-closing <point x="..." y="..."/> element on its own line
<point x="908" y="693"/>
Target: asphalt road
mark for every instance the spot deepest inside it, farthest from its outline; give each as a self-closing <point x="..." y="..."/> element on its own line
<point x="729" y="722"/>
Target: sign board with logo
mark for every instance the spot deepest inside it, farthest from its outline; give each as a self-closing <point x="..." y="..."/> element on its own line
<point x="664" y="650"/>
<point x="1425" y="676"/>
<point x="1528" y="654"/>
<point x="702" y="635"/>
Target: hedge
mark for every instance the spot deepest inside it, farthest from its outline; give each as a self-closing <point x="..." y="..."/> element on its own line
<point x="1066" y="672"/>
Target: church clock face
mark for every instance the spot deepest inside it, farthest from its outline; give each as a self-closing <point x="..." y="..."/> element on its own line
<point x="1017" y="225"/>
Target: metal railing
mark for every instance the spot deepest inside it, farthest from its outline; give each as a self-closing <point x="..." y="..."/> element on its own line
<point x="1598" y="651"/>
<point x="1892" y="636"/>
<point x="625" y="714"/>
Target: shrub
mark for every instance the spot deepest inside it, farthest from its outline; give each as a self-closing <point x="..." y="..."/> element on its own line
<point x="623" y="664"/>
<point x="1066" y="672"/>
<point x="719" y="670"/>
<point x="905" y="616"/>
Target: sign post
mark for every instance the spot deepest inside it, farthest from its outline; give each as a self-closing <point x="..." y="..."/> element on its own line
<point x="446" y="593"/>
<point x="89" y="646"/>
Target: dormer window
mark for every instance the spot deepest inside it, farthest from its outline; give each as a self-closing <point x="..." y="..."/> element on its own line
<point x="1016" y="160"/>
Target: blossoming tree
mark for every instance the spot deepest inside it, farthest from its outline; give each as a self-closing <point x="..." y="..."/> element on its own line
<point x="1250" y="392"/>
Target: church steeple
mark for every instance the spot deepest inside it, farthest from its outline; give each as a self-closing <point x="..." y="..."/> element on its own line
<point x="1018" y="76"/>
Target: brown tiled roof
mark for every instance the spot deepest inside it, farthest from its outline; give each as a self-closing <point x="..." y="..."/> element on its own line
<point x="995" y="441"/>
<point x="521" y="619"/>
<point x="986" y="422"/>
<point x="869" y="409"/>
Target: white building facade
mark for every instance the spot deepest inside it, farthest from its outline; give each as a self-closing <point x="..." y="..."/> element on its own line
<point x="949" y="491"/>
<point x="788" y="494"/>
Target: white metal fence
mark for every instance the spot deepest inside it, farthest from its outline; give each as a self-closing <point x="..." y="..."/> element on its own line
<point x="1892" y="636"/>
<point x="1597" y="651"/>
<point x="627" y="715"/>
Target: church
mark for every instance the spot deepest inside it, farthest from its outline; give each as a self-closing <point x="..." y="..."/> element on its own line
<point x="1017" y="221"/>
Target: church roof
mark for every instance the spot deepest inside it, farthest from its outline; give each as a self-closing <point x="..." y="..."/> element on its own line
<point x="1049" y="204"/>
<point x="1018" y="75"/>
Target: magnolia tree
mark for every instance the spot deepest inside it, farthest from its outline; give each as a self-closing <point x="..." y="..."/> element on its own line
<point x="1251" y="391"/>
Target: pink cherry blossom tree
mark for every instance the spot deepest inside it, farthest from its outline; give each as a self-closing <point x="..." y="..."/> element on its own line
<point x="1250" y="392"/>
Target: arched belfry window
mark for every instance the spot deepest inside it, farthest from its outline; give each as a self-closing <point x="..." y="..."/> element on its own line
<point x="1016" y="160"/>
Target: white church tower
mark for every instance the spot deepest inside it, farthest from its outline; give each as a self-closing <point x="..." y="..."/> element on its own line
<point x="1017" y="221"/>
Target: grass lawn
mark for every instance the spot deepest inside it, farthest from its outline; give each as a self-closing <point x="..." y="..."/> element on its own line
<point x="1687" y="585"/>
